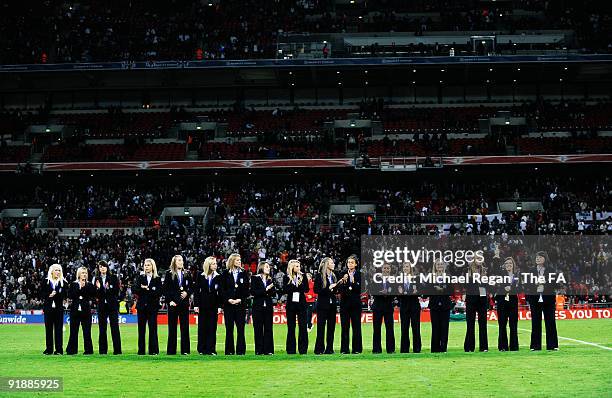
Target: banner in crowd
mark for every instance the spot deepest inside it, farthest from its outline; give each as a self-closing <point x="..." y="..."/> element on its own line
<point x="280" y="318"/>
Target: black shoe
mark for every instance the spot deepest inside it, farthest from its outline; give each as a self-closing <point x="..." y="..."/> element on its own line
<point x="88" y="353"/>
<point x="46" y="352"/>
<point x="117" y="353"/>
<point x="58" y="353"/>
<point x="141" y="353"/>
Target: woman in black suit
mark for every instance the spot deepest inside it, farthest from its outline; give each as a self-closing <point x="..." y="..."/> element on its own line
<point x="440" y="305"/>
<point x="350" y="307"/>
<point x="177" y="289"/>
<point x="476" y="302"/>
<point x="542" y="301"/>
<point x="410" y="313"/>
<point x="207" y="299"/>
<point x="107" y="288"/>
<point x="262" y="290"/>
<point x="382" y="310"/>
<point x="325" y="286"/>
<point x="506" y="301"/>
<point x="148" y="289"/>
<point x="235" y="288"/>
<point x="81" y="294"/>
<point x="53" y="292"/>
<point x="295" y="286"/>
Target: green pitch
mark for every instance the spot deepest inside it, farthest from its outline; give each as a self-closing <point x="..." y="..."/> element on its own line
<point x="577" y="370"/>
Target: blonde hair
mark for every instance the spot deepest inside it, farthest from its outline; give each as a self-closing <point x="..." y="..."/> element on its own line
<point x="433" y="269"/>
<point x="206" y="265"/>
<point x="153" y="266"/>
<point x="52" y="268"/>
<point x="80" y="270"/>
<point x="291" y="274"/>
<point x="231" y="260"/>
<point x="324" y="272"/>
<point x="173" y="265"/>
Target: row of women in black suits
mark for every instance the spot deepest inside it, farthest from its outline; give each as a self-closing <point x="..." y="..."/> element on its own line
<point x="104" y="289"/>
<point x="231" y="290"/>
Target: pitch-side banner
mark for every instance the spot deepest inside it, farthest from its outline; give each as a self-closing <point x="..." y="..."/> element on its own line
<point x="280" y="318"/>
<point x="482" y="265"/>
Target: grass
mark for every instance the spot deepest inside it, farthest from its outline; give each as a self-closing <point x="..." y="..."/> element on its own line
<point x="577" y="370"/>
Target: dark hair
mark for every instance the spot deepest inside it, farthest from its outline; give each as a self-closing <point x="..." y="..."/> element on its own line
<point x="542" y="253"/>
<point x="102" y="263"/>
<point x="354" y="257"/>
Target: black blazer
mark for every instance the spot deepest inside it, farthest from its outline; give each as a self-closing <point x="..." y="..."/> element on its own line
<point x="548" y="293"/>
<point x="350" y="292"/>
<point x="289" y="288"/>
<point x="148" y="299"/>
<point x="58" y="299"/>
<point x="262" y="298"/>
<point x="108" y="296"/>
<point x="81" y="296"/>
<point x="409" y="300"/>
<point x="207" y="295"/>
<point x="235" y="289"/>
<point x="172" y="289"/>
<point x="382" y="303"/>
<point x="500" y="289"/>
<point x="442" y="300"/>
<point x="326" y="297"/>
<point x="472" y="293"/>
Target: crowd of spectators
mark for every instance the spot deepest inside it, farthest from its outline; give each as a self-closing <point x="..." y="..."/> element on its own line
<point x="268" y="220"/>
<point x="59" y="32"/>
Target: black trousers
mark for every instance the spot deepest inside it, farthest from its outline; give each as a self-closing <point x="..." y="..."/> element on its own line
<point x="471" y="309"/>
<point x="439" y="330"/>
<point x="507" y="313"/>
<point x="207" y="331"/>
<point x="234" y="316"/>
<point x="548" y="309"/>
<point x="145" y="318"/>
<point x="104" y="315"/>
<point x="54" y="322"/>
<point x="350" y="316"/>
<point x="79" y="318"/>
<point x="300" y="314"/>
<point x="309" y="311"/>
<point x="262" y="326"/>
<point x="387" y="316"/>
<point x="410" y="316"/>
<point x="325" y="342"/>
<point x="178" y="313"/>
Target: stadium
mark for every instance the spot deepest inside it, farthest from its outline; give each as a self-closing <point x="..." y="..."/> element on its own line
<point x="213" y="180"/>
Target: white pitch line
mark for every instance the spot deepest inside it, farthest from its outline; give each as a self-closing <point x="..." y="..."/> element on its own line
<point x="565" y="338"/>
